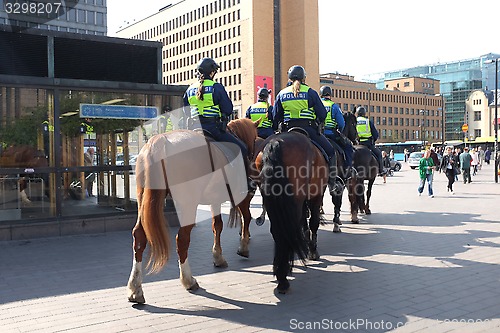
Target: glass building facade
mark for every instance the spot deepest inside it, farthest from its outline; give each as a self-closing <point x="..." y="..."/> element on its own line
<point x="457" y="80"/>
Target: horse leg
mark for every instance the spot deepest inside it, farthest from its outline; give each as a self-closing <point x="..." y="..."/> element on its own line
<point x="307" y="230"/>
<point x="368" y="196"/>
<point x="245" y="227"/>
<point x="183" y="239"/>
<point x="217" y="226"/>
<point x="134" y="286"/>
<point x="353" y="198"/>
<point x="22" y="191"/>
<point x="360" y="192"/>
<point x="262" y="218"/>
<point x="337" y="202"/>
<point x="314" y="206"/>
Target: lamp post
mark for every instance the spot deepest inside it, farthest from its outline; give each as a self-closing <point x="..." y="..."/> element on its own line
<point x="442" y="119"/>
<point x="422" y="128"/>
<point x="495" y="124"/>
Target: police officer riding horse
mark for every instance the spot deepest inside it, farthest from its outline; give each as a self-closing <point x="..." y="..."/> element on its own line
<point x="298" y="105"/>
<point x="210" y="104"/>
<point x="334" y="125"/>
<point x="368" y="134"/>
<point x="262" y="111"/>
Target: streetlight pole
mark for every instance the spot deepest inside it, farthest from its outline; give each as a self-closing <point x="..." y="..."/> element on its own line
<point x="496" y="120"/>
<point x="495" y="123"/>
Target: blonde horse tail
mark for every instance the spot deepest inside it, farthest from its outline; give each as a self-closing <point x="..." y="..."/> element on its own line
<point x="155" y="226"/>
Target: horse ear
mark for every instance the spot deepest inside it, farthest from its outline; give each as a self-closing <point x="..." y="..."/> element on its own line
<point x="257" y="122"/>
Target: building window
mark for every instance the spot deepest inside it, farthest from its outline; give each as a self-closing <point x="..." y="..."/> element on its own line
<point x="477" y="133"/>
<point x="477" y="115"/>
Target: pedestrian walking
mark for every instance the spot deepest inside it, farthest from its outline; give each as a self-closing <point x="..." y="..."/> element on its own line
<point x="449" y="164"/>
<point x="465" y="162"/>
<point x="426" y="168"/>
<point x="487" y="155"/>
<point x="475" y="161"/>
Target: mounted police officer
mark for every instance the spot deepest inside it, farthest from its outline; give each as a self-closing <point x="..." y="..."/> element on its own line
<point x="334" y="125"/>
<point x="263" y="111"/>
<point x="297" y="105"/>
<point x="368" y="134"/>
<point x="211" y="106"/>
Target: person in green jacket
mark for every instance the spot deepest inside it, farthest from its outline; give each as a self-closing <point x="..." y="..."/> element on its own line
<point x="426" y="168"/>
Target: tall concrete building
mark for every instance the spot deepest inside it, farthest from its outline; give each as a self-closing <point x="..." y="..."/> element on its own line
<point x="254" y="41"/>
<point x="77" y="16"/>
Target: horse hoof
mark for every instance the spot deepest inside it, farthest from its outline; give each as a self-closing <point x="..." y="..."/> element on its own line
<point x="245" y="254"/>
<point x="221" y="264"/>
<point x="368" y="212"/>
<point x="337" y="229"/>
<point x="355" y="221"/>
<point x="283" y="287"/>
<point x="313" y="255"/>
<point x="194" y="287"/>
<point x="137" y="299"/>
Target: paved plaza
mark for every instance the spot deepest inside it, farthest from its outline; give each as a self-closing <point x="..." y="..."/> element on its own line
<point x="417" y="264"/>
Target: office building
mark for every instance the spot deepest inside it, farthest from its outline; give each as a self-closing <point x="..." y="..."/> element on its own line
<point x="77" y="16"/>
<point x="409" y="109"/>
<point x="457" y="79"/>
<point x="254" y="41"/>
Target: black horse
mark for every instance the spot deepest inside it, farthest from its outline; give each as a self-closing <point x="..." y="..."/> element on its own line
<point x="342" y="179"/>
<point x="293" y="178"/>
<point x="366" y="166"/>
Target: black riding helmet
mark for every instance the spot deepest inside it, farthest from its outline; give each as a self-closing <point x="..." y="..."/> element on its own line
<point x="360" y="111"/>
<point x="263" y="93"/>
<point x="296" y="73"/>
<point x="207" y="66"/>
<point x="325" y="91"/>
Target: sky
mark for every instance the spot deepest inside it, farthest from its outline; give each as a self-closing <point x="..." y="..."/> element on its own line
<point x="362" y="37"/>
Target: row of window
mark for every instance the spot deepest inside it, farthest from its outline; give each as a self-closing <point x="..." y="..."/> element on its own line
<point x="405" y="122"/>
<point x="191" y="74"/>
<point x="384" y="97"/>
<point x="390" y="109"/>
<point x="405" y="135"/>
<point x="209" y="40"/>
<point x="188" y="18"/>
<point x="52" y="27"/>
<point x="193" y="59"/>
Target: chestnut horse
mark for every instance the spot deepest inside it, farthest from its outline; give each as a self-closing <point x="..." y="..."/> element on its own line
<point x="179" y="163"/>
<point x="293" y="178"/>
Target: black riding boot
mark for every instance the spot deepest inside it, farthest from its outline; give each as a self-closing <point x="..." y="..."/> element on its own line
<point x="332" y="175"/>
<point x="381" y="170"/>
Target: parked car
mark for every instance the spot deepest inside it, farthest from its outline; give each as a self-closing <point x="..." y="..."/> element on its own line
<point x="395" y="165"/>
<point x="414" y="159"/>
<point x="131" y="161"/>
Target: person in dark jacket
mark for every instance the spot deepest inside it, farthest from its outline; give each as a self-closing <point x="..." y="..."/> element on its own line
<point x="449" y="164"/>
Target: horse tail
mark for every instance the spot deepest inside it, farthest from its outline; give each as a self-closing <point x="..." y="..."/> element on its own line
<point x="154" y="224"/>
<point x="281" y="207"/>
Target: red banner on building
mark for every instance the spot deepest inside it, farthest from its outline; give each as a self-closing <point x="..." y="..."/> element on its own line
<point x="264" y="82"/>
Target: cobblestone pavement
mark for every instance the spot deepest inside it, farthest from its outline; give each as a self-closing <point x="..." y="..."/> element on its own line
<point x="424" y="264"/>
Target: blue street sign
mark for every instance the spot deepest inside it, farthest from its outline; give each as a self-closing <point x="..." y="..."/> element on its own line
<point x="118" y="111"/>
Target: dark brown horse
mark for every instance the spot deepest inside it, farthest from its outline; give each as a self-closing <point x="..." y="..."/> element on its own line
<point x="366" y="166"/>
<point x="25" y="157"/>
<point x="293" y="177"/>
<point x="181" y="163"/>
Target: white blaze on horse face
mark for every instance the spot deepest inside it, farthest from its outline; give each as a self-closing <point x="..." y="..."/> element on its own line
<point x="194" y="173"/>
